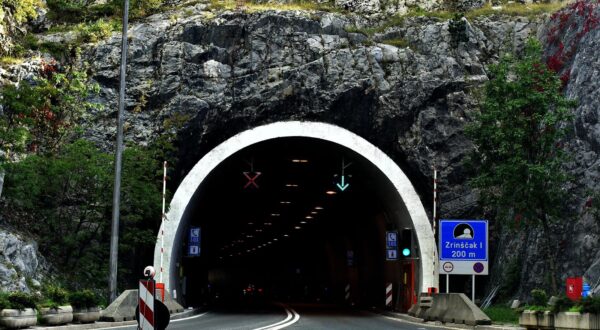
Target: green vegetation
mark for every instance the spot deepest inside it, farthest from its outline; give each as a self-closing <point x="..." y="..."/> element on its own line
<point x="22" y="10"/>
<point x="502" y="314"/>
<point x="84" y="299"/>
<point x="78" y="11"/>
<point x="254" y="6"/>
<point x="540" y="297"/>
<point x="400" y="43"/>
<point x="518" y="9"/>
<point x="18" y="300"/>
<point x="518" y="155"/>
<point x="62" y="191"/>
<point x="53" y="296"/>
<point x="70" y="192"/>
<point x="514" y="9"/>
<point x="39" y="117"/>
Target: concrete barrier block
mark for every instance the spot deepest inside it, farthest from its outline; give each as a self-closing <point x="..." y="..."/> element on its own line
<point x="123" y="308"/>
<point x="455" y="308"/>
<point x="575" y="320"/>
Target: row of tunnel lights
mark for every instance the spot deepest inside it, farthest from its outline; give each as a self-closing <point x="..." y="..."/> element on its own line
<point x="310" y="216"/>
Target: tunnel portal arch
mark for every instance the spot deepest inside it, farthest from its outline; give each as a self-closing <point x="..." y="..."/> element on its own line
<point x="173" y="228"/>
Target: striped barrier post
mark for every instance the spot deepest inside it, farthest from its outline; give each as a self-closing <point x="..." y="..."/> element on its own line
<point x="146" y="304"/>
<point x="347" y="294"/>
<point x="388" y="295"/>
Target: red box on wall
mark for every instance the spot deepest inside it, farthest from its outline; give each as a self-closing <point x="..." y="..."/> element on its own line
<point x="574" y="287"/>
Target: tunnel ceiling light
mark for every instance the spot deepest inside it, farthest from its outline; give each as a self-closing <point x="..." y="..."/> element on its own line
<point x="275" y="214"/>
<point x="286" y="235"/>
<point x="301" y="161"/>
<point x="308" y="217"/>
<point x="259" y="230"/>
<point x="291" y="185"/>
<point x="268" y="224"/>
<point x="318" y="207"/>
<point x="285" y="202"/>
<point x="275" y="239"/>
<point x="314" y="212"/>
<point x="303" y="222"/>
<point x="331" y="192"/>
<point x="269" y="242"/>
<point x="260" y="246"/>
<point x="249" y="236"/>
<point x="241" y="241"/>
<point x="250" y="223"/>
<point x="297" y="227"/>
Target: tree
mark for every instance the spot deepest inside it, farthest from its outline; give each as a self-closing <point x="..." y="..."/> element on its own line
<point x="65" y="200"/>
<point x="39" y="116"/>
<point x="519" y="154"/>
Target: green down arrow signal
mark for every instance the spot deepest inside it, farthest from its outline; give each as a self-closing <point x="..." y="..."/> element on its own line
<point x="343" y="185"/>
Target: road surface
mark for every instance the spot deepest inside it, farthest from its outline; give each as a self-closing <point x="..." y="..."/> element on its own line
<point x="293" y="316"/>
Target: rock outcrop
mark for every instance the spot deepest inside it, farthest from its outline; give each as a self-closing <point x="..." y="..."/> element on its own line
<point x="22" y="268"/>
<point x="221" y="75"/>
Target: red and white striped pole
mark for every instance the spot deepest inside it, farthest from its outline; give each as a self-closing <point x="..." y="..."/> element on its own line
<point x="388" y="295"/>
<point x="146" y="305"/>
<point x="434" y="222"/>
<point x="347" y="293"/>
<point x="162" y="231"/>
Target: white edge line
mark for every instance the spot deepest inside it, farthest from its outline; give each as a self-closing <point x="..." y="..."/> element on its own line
<point x="287" y="318"/>
<point x="135" y="324"/>
<point x="189" y="318"/>
<point x="285" y="325"/>
<point x="419" y="323"/>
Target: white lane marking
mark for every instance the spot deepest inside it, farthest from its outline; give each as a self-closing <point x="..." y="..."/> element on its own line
<point x="287" y="318"/>
<point x="135" y="324"/>
<point x="189" y="318"/>
<point x="285" y="325"/>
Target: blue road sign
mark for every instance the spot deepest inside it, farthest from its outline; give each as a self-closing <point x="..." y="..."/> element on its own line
<point x="464" y="246"/>
<point x="391" y="239"/>
<point x="391" y="244"/>
<point x="392" y="254"/>
<point x="194" y="242"/>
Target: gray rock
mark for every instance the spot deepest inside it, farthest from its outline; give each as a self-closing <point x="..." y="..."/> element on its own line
<point x="20" y="263"/>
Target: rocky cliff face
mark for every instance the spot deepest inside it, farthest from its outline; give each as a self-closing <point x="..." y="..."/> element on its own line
<point x="22" y="268"/>
<point x="221" y="75"/>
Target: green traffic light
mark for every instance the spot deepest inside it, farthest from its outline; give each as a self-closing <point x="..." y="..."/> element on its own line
<point x="406" y="252"/>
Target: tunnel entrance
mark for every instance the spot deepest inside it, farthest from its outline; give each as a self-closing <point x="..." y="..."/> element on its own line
<point x="290" y="213"/>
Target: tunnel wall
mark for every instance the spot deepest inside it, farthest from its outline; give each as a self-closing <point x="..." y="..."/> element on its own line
<point x="174" y="226"/>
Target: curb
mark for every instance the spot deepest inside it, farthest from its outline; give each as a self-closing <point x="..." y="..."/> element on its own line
<point x="99" y="325"/>
<point x="417" y="320"/>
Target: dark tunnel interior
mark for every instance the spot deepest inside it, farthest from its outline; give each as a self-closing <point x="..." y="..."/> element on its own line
<point x="311" y="227"/>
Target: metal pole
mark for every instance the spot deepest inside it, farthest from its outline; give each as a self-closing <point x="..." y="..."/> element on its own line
<point x="162" y="231"/>
<point x="434" y="223"/>
<point x="473" y="289"/>
<point x="447" y="283"/>
<point x="114" y="239"/>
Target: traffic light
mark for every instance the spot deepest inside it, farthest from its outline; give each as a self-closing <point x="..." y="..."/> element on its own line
<point x="406" y="243"/>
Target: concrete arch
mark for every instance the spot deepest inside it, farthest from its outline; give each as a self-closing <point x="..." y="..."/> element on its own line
<point x="174" y="228"/>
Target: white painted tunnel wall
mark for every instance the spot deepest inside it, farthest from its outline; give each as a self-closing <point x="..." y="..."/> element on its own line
<point x="173" y="227"/>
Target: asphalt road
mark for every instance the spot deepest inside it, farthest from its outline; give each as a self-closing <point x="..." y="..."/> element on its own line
<point x="294" y="316"/>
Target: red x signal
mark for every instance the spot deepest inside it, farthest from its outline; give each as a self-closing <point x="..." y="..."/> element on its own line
<point x="251" y="179"/>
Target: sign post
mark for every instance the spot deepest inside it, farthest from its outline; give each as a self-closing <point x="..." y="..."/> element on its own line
<point x="464" y="249"/>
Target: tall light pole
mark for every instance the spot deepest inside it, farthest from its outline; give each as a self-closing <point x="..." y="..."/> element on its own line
<point x="114" y="238"/>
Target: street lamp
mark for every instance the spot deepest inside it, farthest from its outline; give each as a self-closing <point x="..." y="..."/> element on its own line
<point x="114" y="238"/>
